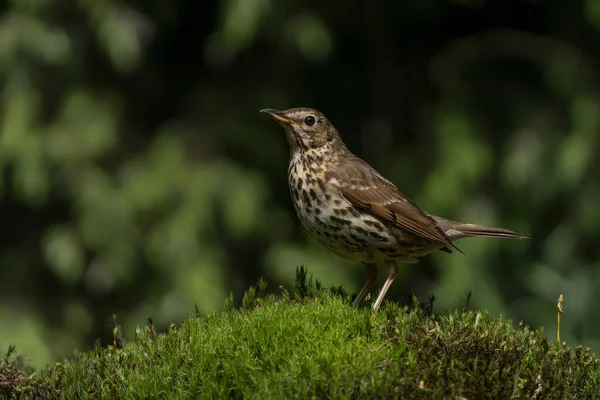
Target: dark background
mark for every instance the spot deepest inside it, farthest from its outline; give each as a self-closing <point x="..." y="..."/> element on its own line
<point x="138" y="177"/>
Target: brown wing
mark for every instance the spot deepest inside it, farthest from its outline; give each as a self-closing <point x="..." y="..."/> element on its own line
<point x="366" y="189"/>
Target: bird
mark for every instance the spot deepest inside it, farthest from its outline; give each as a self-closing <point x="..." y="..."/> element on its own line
<point x="354" y="211"/>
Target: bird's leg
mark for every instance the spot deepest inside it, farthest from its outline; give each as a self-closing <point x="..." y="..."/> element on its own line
<point x="371" y="277"/>
<point x="392" y="270"/>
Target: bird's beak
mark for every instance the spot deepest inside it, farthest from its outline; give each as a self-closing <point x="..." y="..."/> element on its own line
<point x="278" y="115"/>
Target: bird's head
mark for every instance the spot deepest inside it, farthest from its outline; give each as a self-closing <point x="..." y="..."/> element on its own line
<point x="305" y="128"/>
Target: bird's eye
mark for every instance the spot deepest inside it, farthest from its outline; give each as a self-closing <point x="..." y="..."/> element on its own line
<point x="310" y="120"/>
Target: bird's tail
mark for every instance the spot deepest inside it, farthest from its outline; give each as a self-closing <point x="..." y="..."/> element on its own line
<point x="487" y="231"/>
<point x="457" y="230"/>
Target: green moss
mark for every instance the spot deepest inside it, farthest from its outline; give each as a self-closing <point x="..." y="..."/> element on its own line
<point x="313" y="344"/>
<point x="18" y="381"/>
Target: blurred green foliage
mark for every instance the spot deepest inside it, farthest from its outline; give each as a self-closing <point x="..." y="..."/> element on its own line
<point x="138" y="178"/>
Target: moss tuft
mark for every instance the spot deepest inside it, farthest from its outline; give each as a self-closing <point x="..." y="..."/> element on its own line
<point x="313" y="344"/>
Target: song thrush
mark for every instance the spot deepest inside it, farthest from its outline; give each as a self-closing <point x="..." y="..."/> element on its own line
<point x="353" y="210"/>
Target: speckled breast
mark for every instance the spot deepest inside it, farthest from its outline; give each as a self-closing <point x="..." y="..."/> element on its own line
<point x="338" y="225"/>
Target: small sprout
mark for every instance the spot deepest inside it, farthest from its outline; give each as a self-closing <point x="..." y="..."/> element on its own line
<point x="229" y="303"/>
<point x="118" y="337"/>
<point x="151" y="328"/>
<point x="249" y="298"/>
<point x="262" y="287"/>
<point x="283" y="292"/>
<point x="560" y="302"/>
<point x="115" y="330"/>
<point x="466" y="301"/>
<point x="559" y="305"/>
<point x="11" y="350"/>
<point x="301" y="283"/>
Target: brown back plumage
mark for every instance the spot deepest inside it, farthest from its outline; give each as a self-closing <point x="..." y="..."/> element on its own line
<point x="367" y="190"/>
